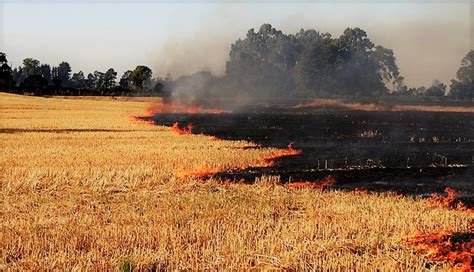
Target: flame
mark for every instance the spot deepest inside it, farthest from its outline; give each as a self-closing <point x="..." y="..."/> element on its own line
<point x="450" y="201"/>
<point x="208" y="172"/>
<point x="182" y="131"/>
<point x="269" y="160"/>
<point x="361" y="191"/>
<point x="201" y="173"/>
<point x="180" y="107"/>
<point x="442" y="246"/>
<point x="320" y="184"/>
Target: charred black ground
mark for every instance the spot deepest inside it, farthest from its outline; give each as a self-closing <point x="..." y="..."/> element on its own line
<point x="407" y="152"/>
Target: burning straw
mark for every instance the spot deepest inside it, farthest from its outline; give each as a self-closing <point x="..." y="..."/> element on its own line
<point x="450" y="201"/>
<point x="182" y="131"/>
<point x="455" y="248"/>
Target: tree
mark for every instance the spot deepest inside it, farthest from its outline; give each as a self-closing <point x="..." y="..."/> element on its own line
<point x="17" y="74"/>
<point x="316" y="66"/>
<point x="99" y="79"/>
<point x="358" y="70"/>
<point x="420" y="90"/>
<point x="140" y="76"/>
<point x="64" y="73"/>
<point x="388" y="68"/>
<point x="109" y="78"/>
<point x="30" y="67"/>
<point x="261" y="64"/>
<point x="465" y="74"/>
<point x="437" y="89"/>
<point x="463" y="88"/>
<point x="57" y="81"/>
<point x="90" y="81"/>
<point x="78" y="80"/>
<point x="35" y="83"/>
<point x="45" y="71"/>
<point x="6" y="78"/>
<point x="270" y="63"/>
<point x="125" y="80"/>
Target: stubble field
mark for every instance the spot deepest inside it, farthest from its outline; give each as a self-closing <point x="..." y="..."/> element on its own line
<point x="83" y="185"/>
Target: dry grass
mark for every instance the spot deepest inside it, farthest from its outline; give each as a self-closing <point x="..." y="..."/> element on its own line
<point x="83" y="186"/>
<point x="382" y="107"/>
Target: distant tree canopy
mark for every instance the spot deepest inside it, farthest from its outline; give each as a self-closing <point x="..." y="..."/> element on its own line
<point x="308" y="63"/>
<point x="30" y="67"/>
<point x="125" y="80"/>
<point x="265" y="64"/>
<point x="437" y="89"/>
<point x="463" y="87"/>
<point x="140" y="76"/>
<point x="6" y="78"/>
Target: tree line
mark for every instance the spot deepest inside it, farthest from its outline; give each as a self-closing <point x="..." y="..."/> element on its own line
<point x="266" y="63"/>
<point x="42" y="79"/>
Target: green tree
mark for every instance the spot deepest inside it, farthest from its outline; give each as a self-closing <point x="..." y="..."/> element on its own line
<point x="35" y="83"/>
<point x="270" y="63"/>
<point x="78" y="80"/>
<point x="57" y="81"/>
<point x="17" y="74"/>
<point x="99" y="80"/>
<point x="6" y="79"/>
<point x="109" y="78"/>
<point x="463" y="87"/>
<point x="30" y="67"/>
<point x="437" y="89"/>
<point x="125" y="80"/>
<point x="64" y="72"/>
<point x="45" y="71"/>
<point x="90" y="81"/>
<point x="140" y="76"/>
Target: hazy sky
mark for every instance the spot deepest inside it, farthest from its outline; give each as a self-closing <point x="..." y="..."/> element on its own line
<point x="429" y="37"/>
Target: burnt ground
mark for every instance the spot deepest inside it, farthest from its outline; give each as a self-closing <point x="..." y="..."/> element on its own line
<point x="415" y="153"/>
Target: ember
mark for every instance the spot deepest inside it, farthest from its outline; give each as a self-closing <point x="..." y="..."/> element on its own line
<point x="455" y="248"/>
<point x="182" y="131"/>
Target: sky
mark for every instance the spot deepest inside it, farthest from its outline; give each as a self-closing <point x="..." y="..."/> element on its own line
<point x="429" y="38"/>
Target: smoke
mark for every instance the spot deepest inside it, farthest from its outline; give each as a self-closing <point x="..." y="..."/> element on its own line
<point x="185" y="55"/>
<point x="428" y="40"/>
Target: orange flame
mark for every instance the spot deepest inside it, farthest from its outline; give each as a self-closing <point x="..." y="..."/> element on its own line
<point x="361" y="191"/>
<point x="204" y="172"/>
<point x="269" y="161"/>
<point x="320" y="184"/>
<point x="182" y="131"/>
<point x="450" y="201"/>
<point x="444" y="247"/>
<point x="213" y="138"/>
<point x="207" y="172"/>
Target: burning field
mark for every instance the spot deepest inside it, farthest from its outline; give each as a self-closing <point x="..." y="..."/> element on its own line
<point x="401" y="150"/>
<point x="87" y="185"/>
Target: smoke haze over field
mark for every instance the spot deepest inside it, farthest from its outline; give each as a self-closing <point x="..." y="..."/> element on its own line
<point x="429" y="38"/>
